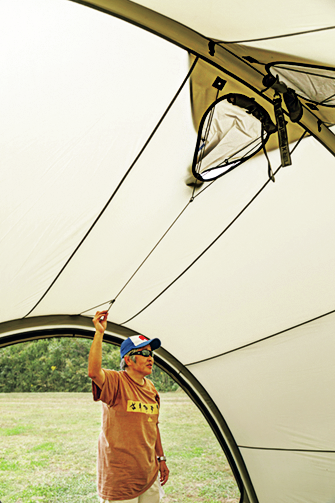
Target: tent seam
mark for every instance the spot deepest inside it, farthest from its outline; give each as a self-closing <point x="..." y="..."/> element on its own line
<point x="285" y="449"/>
<point x="263" y="339"/>
<point x="275" y="36"/>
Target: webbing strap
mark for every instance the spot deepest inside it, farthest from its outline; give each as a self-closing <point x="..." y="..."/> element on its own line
<point x="282" y="133"/>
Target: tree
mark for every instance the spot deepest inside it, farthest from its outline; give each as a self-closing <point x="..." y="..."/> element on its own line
<point x="59" y="364"/>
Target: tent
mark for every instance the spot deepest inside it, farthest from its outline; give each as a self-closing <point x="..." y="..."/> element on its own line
<point x="101" y="102"/>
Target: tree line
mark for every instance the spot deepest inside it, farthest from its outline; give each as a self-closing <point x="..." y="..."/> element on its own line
<point x="60" y="364"/>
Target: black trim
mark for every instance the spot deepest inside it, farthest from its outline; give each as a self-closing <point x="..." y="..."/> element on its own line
<point x="78" y="326"/>
<point x="268" y="67"/>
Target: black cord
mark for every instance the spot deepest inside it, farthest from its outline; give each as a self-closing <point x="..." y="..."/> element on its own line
<point x="326" y="99"/>
<point x="208" y="126"/>
<point x="270" y="172"/>
<point x="274" y="36"/>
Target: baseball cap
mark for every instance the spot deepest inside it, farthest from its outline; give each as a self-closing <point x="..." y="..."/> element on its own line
<point x="136" y="342"/>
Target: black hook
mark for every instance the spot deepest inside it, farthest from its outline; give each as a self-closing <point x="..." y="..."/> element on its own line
<point x="211" y="47"/>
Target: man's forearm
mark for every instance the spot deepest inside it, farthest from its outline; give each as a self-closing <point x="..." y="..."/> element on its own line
<point x="159" y="447"/>
<point x="164" y="471"/>
<point x="95" y="356"/>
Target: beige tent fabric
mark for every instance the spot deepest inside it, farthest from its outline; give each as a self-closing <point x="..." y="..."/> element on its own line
<point x="236" y="278"/>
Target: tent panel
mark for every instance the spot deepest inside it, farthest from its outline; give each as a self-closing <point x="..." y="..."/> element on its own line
<point x="277" y="393"/>
<point x="292" y="477"/>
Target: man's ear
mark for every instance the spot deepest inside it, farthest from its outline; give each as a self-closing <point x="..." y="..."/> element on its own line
<point x="128" y="361"/>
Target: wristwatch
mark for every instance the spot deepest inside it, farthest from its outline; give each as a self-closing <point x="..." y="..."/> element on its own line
<point x="161" y="458"/>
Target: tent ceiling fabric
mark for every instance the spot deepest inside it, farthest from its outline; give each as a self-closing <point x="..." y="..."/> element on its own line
<point x="235" y="277"/>
<point x="257" y="19"/>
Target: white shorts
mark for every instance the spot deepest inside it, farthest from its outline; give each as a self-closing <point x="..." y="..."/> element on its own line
<point x="152" y="495"/>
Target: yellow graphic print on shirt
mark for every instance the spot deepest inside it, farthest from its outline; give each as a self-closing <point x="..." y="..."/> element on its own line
<point x="144" y="408"/>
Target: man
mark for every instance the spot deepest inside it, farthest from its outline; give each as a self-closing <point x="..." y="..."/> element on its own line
<point x="130" y="452"/>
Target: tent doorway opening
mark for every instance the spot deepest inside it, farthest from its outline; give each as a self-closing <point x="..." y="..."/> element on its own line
<point x="49" y="447"/>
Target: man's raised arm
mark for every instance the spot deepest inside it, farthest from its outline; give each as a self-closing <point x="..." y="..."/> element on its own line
<point x="95" y="371"/>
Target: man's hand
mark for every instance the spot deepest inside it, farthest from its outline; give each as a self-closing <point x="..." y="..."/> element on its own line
<point x="164" y="472"/>
<point x="100" y="321"/>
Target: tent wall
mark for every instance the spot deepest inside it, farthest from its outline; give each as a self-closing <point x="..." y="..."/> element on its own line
<point x="236" y="278"/>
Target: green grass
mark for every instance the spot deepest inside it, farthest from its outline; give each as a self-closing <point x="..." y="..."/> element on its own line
<point x="48" y="444"/>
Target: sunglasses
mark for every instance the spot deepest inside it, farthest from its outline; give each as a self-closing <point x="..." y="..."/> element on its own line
<point x="144" y="352"/>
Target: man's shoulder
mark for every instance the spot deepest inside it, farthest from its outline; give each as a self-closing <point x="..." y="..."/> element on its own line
<point x="113" y="374"/>
<point x="110" y="387"/>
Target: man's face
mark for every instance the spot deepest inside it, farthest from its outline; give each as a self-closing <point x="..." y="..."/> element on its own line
<point x="143" y="364"/>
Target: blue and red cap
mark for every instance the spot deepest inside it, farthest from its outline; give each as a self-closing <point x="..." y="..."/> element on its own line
<point x="137" y="342"/>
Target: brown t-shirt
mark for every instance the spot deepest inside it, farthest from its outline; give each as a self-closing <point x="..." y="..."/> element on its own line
<point x="127" y="463"/>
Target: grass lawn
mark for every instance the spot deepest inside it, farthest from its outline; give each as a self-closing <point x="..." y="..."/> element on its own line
<point x="48" y="447"/>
